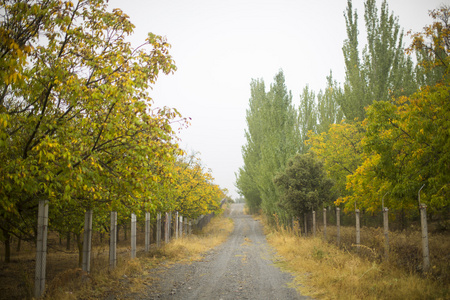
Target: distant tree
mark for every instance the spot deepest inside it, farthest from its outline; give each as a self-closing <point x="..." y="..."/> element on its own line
<point x="246" y="178"/>
<point x="272" y="138"/>
<point x="303" y="185"/>
<point x="328" y="110"/>
<point x="307" y="116"/>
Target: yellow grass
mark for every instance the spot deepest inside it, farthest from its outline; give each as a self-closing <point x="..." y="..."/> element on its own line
<point x="192" y="247"/>
<point x="132" y="276"/>
<point x="324" y="271"/>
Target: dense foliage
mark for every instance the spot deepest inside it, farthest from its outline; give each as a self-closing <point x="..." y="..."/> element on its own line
<point x="273" y="137"/>
<point x="77" y="127"/>
<point x="383" y="133"/>
<point x="304" y="185"/>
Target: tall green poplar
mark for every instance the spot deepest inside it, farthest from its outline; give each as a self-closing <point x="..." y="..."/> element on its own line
<point x="246" y="179"/>
<point x="383" y="69"/>
<point x="328" y="110"/>
<point x="272" y="138"/>
<point x="307" y="116"/>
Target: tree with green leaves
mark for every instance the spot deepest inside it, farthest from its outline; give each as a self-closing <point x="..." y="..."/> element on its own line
<point x="272" y="138"/>
<point x="382" y="69"/>
<point x="282" y="141"/>
<point x="407" y="141"/>
<point x="76" y="123"/>
<point x="307" y="116"/>
<point x="328" y="109"/>
<point x="431" y="48"/>
<point x="341" y="152"/>
<point x="246" y="178"/>
<point x="303" y="185"/>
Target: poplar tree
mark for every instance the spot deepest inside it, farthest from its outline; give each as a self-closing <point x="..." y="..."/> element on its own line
<point x="328" y="110"/>
<point x="272" y="138"/>
<point x="307" y="116"/>
<point x="282" y="141"/>
<point x="382" y="70"/>
<point x="246" y="181"/>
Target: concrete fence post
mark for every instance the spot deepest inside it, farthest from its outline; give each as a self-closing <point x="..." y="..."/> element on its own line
<point x="113" y="241"/>
<point x="41" y="249"/>
<point x="314" y="222"/>
<point x="87" y="241"/>
<point x="147" y="231"/>
<point x="305" y="221"/>
<point x="424" y="225"/>
<point x="133" y="235"/>
<point x="166" y="228"/>
<point x="185" y="226"/>
<point x="425" y="249"/>
<point x="176" y="225"/>
<point x="170" y="225"/>
<point x="338" y="224"/>
<point x="386" y="232"/>
<point x="190" y="227"/>
<point x="180" y="227"/>
<point x="158" y="229"/>
<point x="325" y="224"/>
<point x="358" y="230"/>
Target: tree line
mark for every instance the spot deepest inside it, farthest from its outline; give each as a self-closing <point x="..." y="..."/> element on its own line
<point x="77" y="126"/>
<point x="381" y="135"/>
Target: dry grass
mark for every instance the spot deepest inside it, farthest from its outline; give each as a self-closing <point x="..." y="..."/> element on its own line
<point x="405" y="249"/>
<point x="132" y="276"/>
<point x="192" y="247"/>
<point x="324" y="271"/>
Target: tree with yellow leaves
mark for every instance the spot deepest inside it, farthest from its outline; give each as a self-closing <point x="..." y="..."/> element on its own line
<point x="76" y="123"/>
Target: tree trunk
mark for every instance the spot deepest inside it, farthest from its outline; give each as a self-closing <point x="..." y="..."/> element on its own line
<point x="19" y="244"/>
<point x="80" y="249"/>
<point x="7" y="243"/>
<point x="68" y="241"/>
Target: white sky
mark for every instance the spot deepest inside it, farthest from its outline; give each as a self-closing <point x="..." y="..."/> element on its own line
<point x="220" y="45"/>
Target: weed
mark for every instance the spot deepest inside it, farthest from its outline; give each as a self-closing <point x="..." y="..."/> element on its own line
<point x="318" y="253"/>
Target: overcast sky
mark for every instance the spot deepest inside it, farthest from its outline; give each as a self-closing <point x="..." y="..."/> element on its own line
<point x="219" y="46"/>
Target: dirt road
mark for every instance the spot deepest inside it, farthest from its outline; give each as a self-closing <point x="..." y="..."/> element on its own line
<point x="241" y="268"/>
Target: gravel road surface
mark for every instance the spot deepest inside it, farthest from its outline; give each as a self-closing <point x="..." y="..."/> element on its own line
<point x="241" y="268"/>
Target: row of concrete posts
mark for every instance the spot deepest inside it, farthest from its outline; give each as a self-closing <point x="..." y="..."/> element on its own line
<point x="181" y="227"/>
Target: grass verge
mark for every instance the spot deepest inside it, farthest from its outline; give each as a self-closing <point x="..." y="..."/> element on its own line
<point x="324" y="271"/>
<point x="132" y="276"/>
